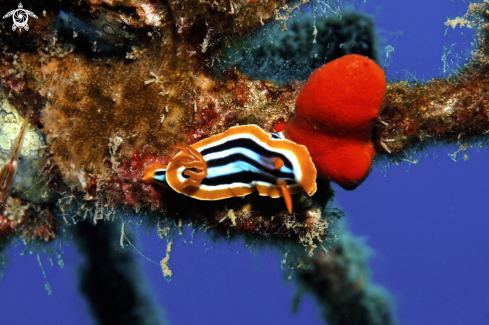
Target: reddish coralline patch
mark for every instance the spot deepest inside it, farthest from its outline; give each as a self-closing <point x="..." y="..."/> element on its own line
<point x="246" y="225"/>
<point x="125" y="186"/>
<point x="6" y="227"/>
<point x="119" y="191"/>
<point x="10" y="77"/>
<point x="210" y="116"/>
<point x="132" y="196"/>
<point x="92" y="184"/>
<point x="136" y="161"/>
<point x="241" y="95"/>
<point x="27" y="220"/>
<point x="150" y="158"/>
<point x="408" y="125"/>
<point x="45" y="230"/>
<point x="14" y="84"/>
<point x="219" y="106"/>
<point x="133" y="168"/>
<point x="195" y="135"/>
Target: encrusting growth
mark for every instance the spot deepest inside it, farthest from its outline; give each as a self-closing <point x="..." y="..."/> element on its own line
<point x="108" y="117"/>
<point x="451" y="110"/>
<point x="334" y="116"/>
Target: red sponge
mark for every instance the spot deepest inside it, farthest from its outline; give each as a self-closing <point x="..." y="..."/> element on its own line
<point x="334" y="116"/>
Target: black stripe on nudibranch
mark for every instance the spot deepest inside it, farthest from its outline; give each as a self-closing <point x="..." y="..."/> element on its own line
<point x="277" y="136"/>
<point x="241" y="157"/>
<point x="245" y="177"/>
<point x="245" y="143"/>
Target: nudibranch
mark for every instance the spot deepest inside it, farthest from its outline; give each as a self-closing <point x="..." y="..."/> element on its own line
<point x="236" y="163"/>
<point x="334" y="116"/>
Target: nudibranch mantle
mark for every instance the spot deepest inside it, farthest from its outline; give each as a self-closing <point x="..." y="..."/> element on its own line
<point x="236" y="163"/>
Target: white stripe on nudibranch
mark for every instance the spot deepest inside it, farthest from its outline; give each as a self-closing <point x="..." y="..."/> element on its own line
<point x="255" y="153"/>
<point x="266" y="162"/>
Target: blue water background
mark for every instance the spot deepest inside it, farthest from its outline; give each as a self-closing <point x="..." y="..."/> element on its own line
<point x="428" y="224"/>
